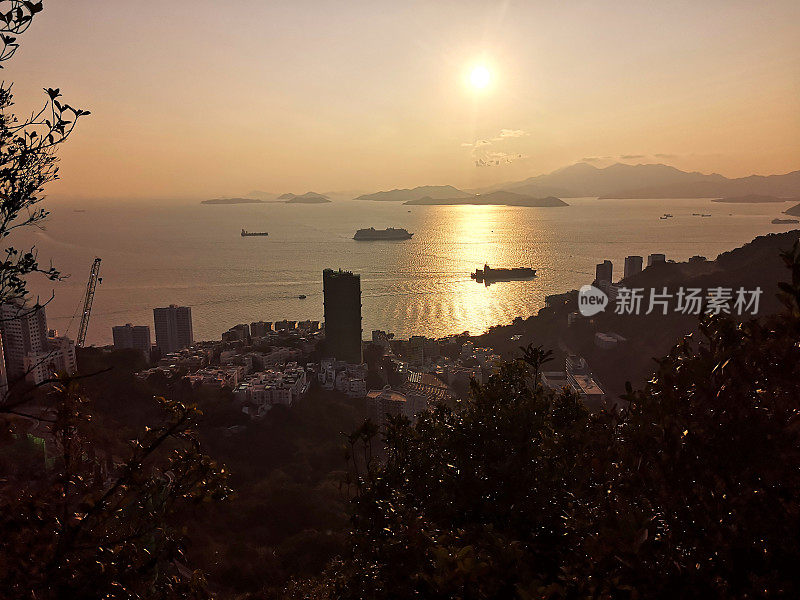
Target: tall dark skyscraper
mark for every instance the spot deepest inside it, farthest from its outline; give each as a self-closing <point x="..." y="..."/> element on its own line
<point x="173" y="328"/>
<point x="604" y="271"/>
<point x="633" y="265"/>
<point x="342" y="299"/>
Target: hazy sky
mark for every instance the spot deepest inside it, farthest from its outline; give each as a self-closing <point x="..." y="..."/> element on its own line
<point x="201" y="99"/>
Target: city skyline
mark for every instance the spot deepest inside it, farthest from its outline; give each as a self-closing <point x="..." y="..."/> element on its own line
<point x="376" y="96"/>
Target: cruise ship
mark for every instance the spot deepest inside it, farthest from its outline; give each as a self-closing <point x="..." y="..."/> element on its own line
<point x="382" y="234"/>
<point x="489" y="275"/>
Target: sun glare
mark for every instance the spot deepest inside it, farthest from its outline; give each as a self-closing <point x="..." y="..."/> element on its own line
<point x="480" y="77"/>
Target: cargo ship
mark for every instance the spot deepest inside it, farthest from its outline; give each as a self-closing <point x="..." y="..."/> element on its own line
<point x="489" y="275"/>
<point x="382" y="234"/>
<point x="246" y="233"/>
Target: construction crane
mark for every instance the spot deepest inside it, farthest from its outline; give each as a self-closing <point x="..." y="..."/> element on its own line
<point x="87" y="302"/>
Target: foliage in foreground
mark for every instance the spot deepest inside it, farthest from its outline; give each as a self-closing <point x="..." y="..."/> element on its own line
<point x="692" y="492"/>
<point x="80" y="521"/>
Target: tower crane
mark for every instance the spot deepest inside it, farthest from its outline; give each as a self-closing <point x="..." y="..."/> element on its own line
<point x="87" y="302"/>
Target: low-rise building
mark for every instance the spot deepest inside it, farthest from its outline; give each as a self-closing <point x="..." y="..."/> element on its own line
<point x="607" y="341"/>
<point x="261" y="391"/>
<point x="343" y="377"/>
<point x="218" y="377"/>
<point x="577" y="377"/>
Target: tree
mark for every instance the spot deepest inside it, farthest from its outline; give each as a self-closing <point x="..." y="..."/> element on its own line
<point x="85" y="518"/>
<point x="28" y="158"/>
<point x="692" y="492"/>
<point x="703" y="498"/>
<point x="85" y="524"/>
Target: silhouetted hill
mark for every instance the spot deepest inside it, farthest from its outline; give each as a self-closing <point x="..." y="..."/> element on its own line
<point x="430" y="191"/>
<point x="787" y="185"/>
<point x="757" y="264"/>
<point x="583" y="179"/>
<point x="307" y="198"/>
<point x="500" y="197"/>
<point x="615" y="181"/>
<point x="794" y="211"/>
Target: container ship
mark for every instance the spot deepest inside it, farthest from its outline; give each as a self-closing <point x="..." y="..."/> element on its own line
<point x="490" y="275"/>
<point x="382" y="234"/>
<point x="246" y="233"/>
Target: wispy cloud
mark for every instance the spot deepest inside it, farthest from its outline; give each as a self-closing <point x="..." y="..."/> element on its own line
<point x="511" y="133"/>
<point x="483" y="156"/>
<point x="496" y="159"/>
<point x="631" y="156"/>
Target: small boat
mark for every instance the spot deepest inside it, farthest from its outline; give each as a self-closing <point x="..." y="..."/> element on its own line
<point x="246" y="233"/>
<point x="705" y="215"/>
<point x="302" y="296"/>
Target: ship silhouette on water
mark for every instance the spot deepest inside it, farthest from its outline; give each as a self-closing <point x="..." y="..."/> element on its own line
<point x="246" y="233"/>
<point x="488" y="275"/>
<point x="390" y="233"/>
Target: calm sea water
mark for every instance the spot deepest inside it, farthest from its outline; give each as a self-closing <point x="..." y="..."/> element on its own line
<point x="157" y="253"/>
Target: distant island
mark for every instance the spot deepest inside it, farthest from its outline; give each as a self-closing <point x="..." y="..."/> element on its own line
<point x="501" y="198"/>
<point x="307" y="198"/>
<point x="417" y="193"/>
<point x="794" y="211"/>
<point x="233" y="201"/>
<point x="752" y="199"/>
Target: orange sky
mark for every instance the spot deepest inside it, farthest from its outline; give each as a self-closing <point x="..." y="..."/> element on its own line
<point x="202" y="99"/>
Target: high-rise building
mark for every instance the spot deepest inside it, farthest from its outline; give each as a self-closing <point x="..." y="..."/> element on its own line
<point x="416" y="350"/>
<point x="24" y="331"/>
<point x="133" y="336"/>
<point x="260" y="328"/>
<point x="656" y="259"/>
<point x="173" y="328"/>
<point x="59" y="357"/>
<point x="633" y="265"/>
<point x="237" y="333"/>
<point x="604" y="271"/>
<point x="342" y="302"/>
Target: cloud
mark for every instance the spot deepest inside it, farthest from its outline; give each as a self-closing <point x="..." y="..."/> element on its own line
<point x="496" y="159"/>
<point x="631" y="156"/>
<point x="511" y="133"/>
<point x="488" y="157"/>
<point x="665" y="155"/>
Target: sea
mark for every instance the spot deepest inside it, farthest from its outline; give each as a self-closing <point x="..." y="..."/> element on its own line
<point x="155" y="253"/>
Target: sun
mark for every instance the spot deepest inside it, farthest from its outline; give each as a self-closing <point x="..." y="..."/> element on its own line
<point x="480" y="77"/>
